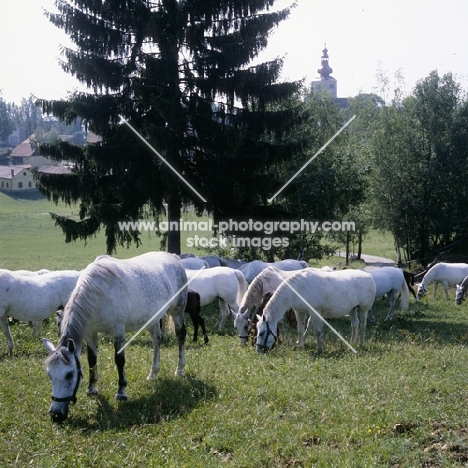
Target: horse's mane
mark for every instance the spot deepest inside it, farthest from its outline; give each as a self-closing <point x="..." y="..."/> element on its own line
<point x="255" y="286"/>
<point x="95" y="281"/>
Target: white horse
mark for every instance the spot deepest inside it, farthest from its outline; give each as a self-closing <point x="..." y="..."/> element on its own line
<point x="31" y="273"/>
<point x="194" y="263"/>
<point x="115" y="296"/>
<point x="462" y="290"/>
<point x="214" y="260"/>
<point x="447" y="274"/>
<point x="390" y="281"/>
<point x="330" y="294"/>
<point x="253" y="269"/>
<point x="268" y="280"/>
<point x="225" y="284"/>
<point x="234" y="263"/>
<point x="33" y="297"/>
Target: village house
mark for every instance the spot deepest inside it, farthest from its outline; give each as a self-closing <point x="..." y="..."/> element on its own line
<point x="16" y="178"/>
<point x="25" y="153"/>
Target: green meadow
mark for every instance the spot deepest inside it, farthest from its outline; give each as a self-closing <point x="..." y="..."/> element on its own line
<point x="398" y="402"/>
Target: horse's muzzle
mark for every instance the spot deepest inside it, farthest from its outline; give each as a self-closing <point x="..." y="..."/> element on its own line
<point x="58" y="413"/>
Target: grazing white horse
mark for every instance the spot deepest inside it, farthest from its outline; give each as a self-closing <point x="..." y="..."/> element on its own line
<point x="233" y="262"/>
<point x="33" y="297"/>
<point x="31" y="273"/>
<point x="253" y="269"/>
<point x="390" y="281"/>
<point x="214" y="260"/>
<point x="115" y="296"/>
<point x="447" y="274"/>
<point x="225" y="284"/>
<point x="462" y="290"/>
<point x="267" y="280"/>
<point x="330" y="294"/>
<point x="194" y="263"/>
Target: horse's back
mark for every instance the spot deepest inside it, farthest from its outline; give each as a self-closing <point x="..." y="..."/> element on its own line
<point x="452" y="272"/>
<point x="290" y="264"/>
<point x="145" y="281"/>
<point x="214" y="282"/>
<point x="333" y="292"/>
<point x="387" y="279"/>
<point x="252" y="269"/>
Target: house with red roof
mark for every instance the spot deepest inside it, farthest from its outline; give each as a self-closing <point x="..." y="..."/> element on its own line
<point x="16" y="178"/>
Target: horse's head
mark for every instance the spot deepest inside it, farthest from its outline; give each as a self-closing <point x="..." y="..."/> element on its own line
<point x="421" y="292"/>
<point x="64" y="370"/>
<point x="460" y="295"/>
<point x="242" y="323"/>
<point x="266" y="339"/>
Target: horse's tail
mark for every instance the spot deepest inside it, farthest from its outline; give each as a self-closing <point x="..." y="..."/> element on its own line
<point x="168" y="324"/>
<point x="404" y="291"/>
<point x="241" y="286"/>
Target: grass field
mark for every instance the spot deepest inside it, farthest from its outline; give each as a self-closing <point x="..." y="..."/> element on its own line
<point x="399" y="402"/>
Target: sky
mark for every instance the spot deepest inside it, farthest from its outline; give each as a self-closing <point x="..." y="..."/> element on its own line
<point x="364" y="38"/>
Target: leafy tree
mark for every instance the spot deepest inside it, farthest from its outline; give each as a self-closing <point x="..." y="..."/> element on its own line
<point x="327" y="187"/>
<point x="420" y="166"/>
<point x="27" y="115"/>
<point x="180" y="73"/>
<point x="7" y="124"/>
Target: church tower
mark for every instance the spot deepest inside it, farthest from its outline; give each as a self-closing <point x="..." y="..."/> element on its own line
<point x="326" y="82"/>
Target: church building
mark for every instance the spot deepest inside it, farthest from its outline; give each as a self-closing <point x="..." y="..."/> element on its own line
<point x="326" y="82"/>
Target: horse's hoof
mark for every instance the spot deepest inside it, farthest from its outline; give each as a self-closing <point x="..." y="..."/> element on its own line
<point x="121" y="397"/>
<point x="180" y="373"/>
<point x="92" y="391"/>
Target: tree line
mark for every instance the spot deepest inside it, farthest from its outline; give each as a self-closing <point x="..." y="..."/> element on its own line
<point x="181" y="73"/>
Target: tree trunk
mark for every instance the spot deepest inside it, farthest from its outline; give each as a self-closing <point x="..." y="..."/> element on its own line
<point x="173" y="216"/>
<point x="359" y="252"/>
<point x="347" y="247"/>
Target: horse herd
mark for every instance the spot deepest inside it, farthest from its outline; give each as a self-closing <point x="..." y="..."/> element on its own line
<point x="114" y="297"/>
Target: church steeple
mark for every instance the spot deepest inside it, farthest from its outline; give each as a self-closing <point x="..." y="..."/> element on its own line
<point x="326" y="70"/>
<point x="326" y="81"/>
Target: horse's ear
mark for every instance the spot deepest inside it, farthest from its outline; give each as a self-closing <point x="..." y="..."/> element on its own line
<point x="48" y="345"/>
<point x="260" y="318"/>
<point x="71" y="345"/>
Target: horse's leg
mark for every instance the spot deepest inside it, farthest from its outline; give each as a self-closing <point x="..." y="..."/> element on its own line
<point x="391" y="299"/>
<point x="201" y="322"/>
<point x="372" y="316"/>
<point x="436" y="285"/>
<point x="318" y="327"/>
<point x="36" y="328"/>
<point x="181" y="332"/>
<point x="156" y="337"/>
<point x="195" y="323"/>
<point x="446" y="287"/>
<point x="279" y="331"/>
<point x="292" y="320"/>
<point x="6" y="332"/>
<point x="354" y="324"/>
<point x="301" y="318"/>
<point x="119" y="358"/>
<point x="91" y="352"/>
<point x="224" y="312"/>
<point x="363" y="323"/>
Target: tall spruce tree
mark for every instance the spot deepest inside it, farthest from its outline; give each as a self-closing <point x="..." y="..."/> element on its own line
<point x="180" y="71"/>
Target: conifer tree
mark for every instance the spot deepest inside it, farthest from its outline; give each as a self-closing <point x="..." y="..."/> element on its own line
<point x="180" y="72"/>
